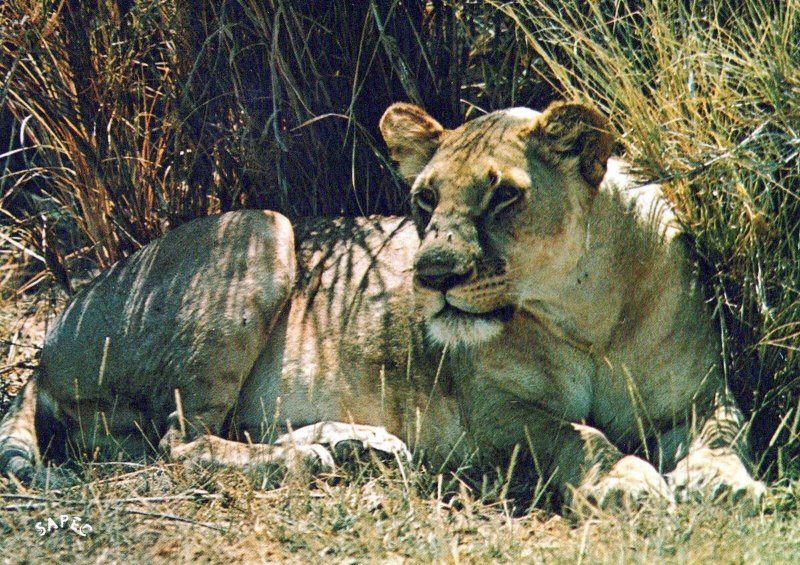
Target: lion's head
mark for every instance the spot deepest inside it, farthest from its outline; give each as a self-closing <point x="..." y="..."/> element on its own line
<point x="500" y="204"/>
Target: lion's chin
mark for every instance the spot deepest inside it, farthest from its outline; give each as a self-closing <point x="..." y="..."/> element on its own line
<point x="455" y="327"/>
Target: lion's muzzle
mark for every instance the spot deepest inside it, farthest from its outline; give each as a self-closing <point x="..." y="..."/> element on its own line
<point x="468" y="286"/>
<point x="482" y="295"/>
<point x="452" y="264"/>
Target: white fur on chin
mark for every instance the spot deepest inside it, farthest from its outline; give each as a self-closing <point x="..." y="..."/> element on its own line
<point x="454" y="330"/>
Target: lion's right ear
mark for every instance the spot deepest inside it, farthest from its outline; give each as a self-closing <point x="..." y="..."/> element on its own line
<point x="412" y="137"/>
<point x="570" y="134"/>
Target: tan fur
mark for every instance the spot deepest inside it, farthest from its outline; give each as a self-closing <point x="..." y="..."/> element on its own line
<point x="529" y="305"/>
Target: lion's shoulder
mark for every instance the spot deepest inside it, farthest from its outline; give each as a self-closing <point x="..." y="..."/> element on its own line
<point x="641" y="198"/>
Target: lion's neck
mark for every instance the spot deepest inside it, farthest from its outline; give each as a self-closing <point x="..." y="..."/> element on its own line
<point x="626" y="249"/>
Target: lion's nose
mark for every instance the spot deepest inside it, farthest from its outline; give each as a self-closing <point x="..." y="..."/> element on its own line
<point x="442" y="272"/>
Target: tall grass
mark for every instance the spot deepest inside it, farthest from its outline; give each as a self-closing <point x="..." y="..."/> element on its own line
<point x="122" y="119"/>
<point x="131" y="117"/>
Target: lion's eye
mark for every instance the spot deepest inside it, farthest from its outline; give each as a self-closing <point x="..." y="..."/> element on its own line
<point x="426" y="199"/>
<point x="504" y="196"/>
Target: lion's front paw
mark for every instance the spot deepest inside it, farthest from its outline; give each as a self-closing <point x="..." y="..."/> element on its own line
<point x="343" y="437"/>
<point x="716" y="474"/>
<point x="627" y="486"/>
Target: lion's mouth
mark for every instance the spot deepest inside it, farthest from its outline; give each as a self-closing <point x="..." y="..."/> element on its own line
<point x="451" y="312"/>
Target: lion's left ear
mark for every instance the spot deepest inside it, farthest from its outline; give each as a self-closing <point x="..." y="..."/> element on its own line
<point x="412" y="137"/>
<point x="567" y="131"/>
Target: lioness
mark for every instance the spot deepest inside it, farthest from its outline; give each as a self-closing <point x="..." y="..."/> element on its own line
<point x="540" y="298"/>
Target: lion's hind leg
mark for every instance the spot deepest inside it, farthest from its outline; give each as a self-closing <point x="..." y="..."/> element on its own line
<point x="308" y="448"/>
<point x="343" y="437"/>
<point x="210" y="450"/>
<point x="717" y="466"/>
